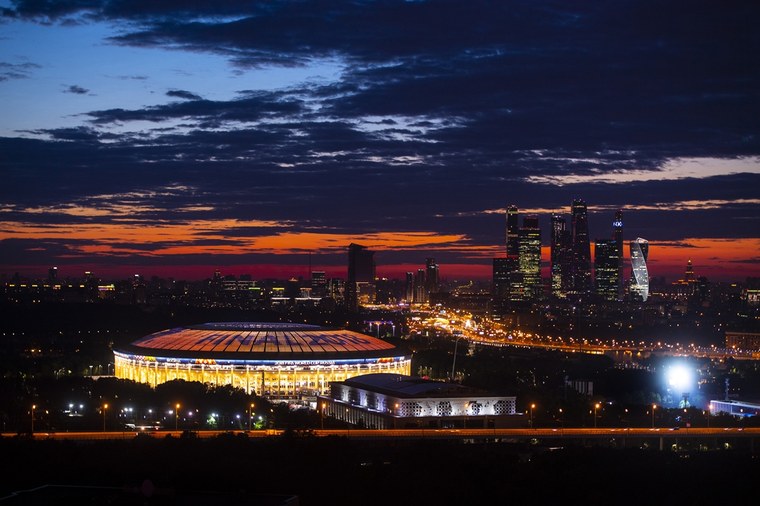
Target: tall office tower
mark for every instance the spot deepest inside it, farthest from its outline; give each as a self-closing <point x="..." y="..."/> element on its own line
<point x="530" y="258"/>
<point x="500" y="287"/>
<point x="639" y="272"/>
<point x="419" y="287"/>
<point x="513" y="232"/>
<point x="560" y="241"/>
<point x="409" y="288"/>
<point x="431" y="277"/>
<point x="513" y="253"/>
<point x="361" y="276"/>
<point x="617" y="236"/>
<point x="318" y="284"/>
<point x="581" y="249"/>
<point x="336" y="289"/>
<point x="606" y="269"/>
<point x="500" y="279"/>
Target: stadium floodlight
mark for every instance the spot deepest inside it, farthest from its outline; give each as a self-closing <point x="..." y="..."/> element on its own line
<point x="681" y="380"/>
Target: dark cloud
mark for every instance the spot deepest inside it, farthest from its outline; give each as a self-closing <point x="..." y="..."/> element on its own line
<point x="16" y="70"/>
<point x="442" y="110"/>
<point x="77" y="90"/>
<point x="186" y="95"/>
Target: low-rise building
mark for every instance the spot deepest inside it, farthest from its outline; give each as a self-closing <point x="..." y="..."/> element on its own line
<point x="388" y="401"/>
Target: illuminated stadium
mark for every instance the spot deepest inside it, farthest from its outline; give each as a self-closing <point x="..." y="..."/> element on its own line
<point x="275" y="360"/>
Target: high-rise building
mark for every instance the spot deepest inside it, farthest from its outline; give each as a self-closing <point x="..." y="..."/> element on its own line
<point x="606" y="268"/>
<point x="513" y="232"/>
<point x="336" y="289"/>
<point x="318" y="284"/>
<point x="639" y="273"/>
<point x="513" y="254"/>
<point x="409" y="288"/>
<point x="581" y="249"/>
<point x="361" y="276"/>
<point x="501" y="278"/>
<point x="560" y="256"/>
<point x="431" y="277"/>
<point x="419" y="287"/>
<point x="530" y="258"/>
<point x="617" y="236"/>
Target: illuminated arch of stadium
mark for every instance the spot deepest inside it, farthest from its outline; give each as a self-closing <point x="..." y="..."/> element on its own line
<point x="276" y="360"/>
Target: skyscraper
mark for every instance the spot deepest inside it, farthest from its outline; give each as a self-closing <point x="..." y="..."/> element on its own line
<point x="530" y="258"/>
<point x="409" y="288"/>
<point x="361" y="275"/>
<point x="500" y="279"/>
<point x="431" y="277"/>
<point x="606" y="268"/>
<point x="560" y="241"/>
<point x="419" y="287"/>
<point x="617" y="236"/>
<point x="639" y="272"/>
<point x="581" y="249"/>
<point x="513" y="254"/>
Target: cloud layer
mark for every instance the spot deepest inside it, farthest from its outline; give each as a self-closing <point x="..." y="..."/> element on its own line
<point x="441" y="112"/>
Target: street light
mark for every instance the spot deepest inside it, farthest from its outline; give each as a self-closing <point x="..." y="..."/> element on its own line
<point x="561" y="420"/>
<point x="596" y="406"/>
<point x="176" y="416"/>
<point x="250" y="415"/>
<point x="654" y="406"/>
<point x="34" y="406"/>
<point x="322" y="415"/>
<point x="105" y="407"/>
<point x="454" y="361"/>
<point x="532" y="407"/>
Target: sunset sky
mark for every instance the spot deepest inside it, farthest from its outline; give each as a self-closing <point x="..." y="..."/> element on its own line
<point x="177" y="138"/>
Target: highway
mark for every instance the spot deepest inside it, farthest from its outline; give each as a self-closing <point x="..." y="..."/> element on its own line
<point x="518" y="434"/>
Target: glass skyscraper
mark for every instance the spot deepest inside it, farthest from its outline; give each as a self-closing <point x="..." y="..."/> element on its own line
<point x="581" y="249"/>
<point x="530" y="258"/>
<point x="606" y="269"/>
<point x="639" y="272"/>
<point x="617" y="236"/>
<point x="560" y="242"/>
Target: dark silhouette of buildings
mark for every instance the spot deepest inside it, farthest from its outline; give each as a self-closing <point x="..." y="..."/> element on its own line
<point x="581" y="248"/>
<point x="361" y="276"/>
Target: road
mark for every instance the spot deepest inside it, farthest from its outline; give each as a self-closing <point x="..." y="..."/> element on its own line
<point x="526" y="434"/>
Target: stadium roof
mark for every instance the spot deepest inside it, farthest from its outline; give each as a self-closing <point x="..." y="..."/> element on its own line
<point x="401" y="386"/>
<point x="261" y="340"/>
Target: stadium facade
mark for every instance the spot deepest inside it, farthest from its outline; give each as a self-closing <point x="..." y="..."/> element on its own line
<point x="280" y="361"/>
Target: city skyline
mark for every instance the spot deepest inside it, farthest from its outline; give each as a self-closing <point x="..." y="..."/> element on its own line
<point x="264" y="138"/>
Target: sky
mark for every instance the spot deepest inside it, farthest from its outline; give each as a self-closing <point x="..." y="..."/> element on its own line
<point x="177" y="138"/>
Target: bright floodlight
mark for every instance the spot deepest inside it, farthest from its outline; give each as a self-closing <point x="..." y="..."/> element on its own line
<point x="679" y="378"/>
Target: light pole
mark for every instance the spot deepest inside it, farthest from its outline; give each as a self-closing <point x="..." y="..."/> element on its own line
<point x="176" y="416"/>
<point x="250" y="415"/>
<point x="654" y="406"/>
<point x="34" y="406"/>
<point x="561" y="420"/>
<point x="532" y="407"/>
<point x="322" y="415"/>
<point x="105" y="407"/>
<point x="454" y="361"/>
<point x="596" y="406"/>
